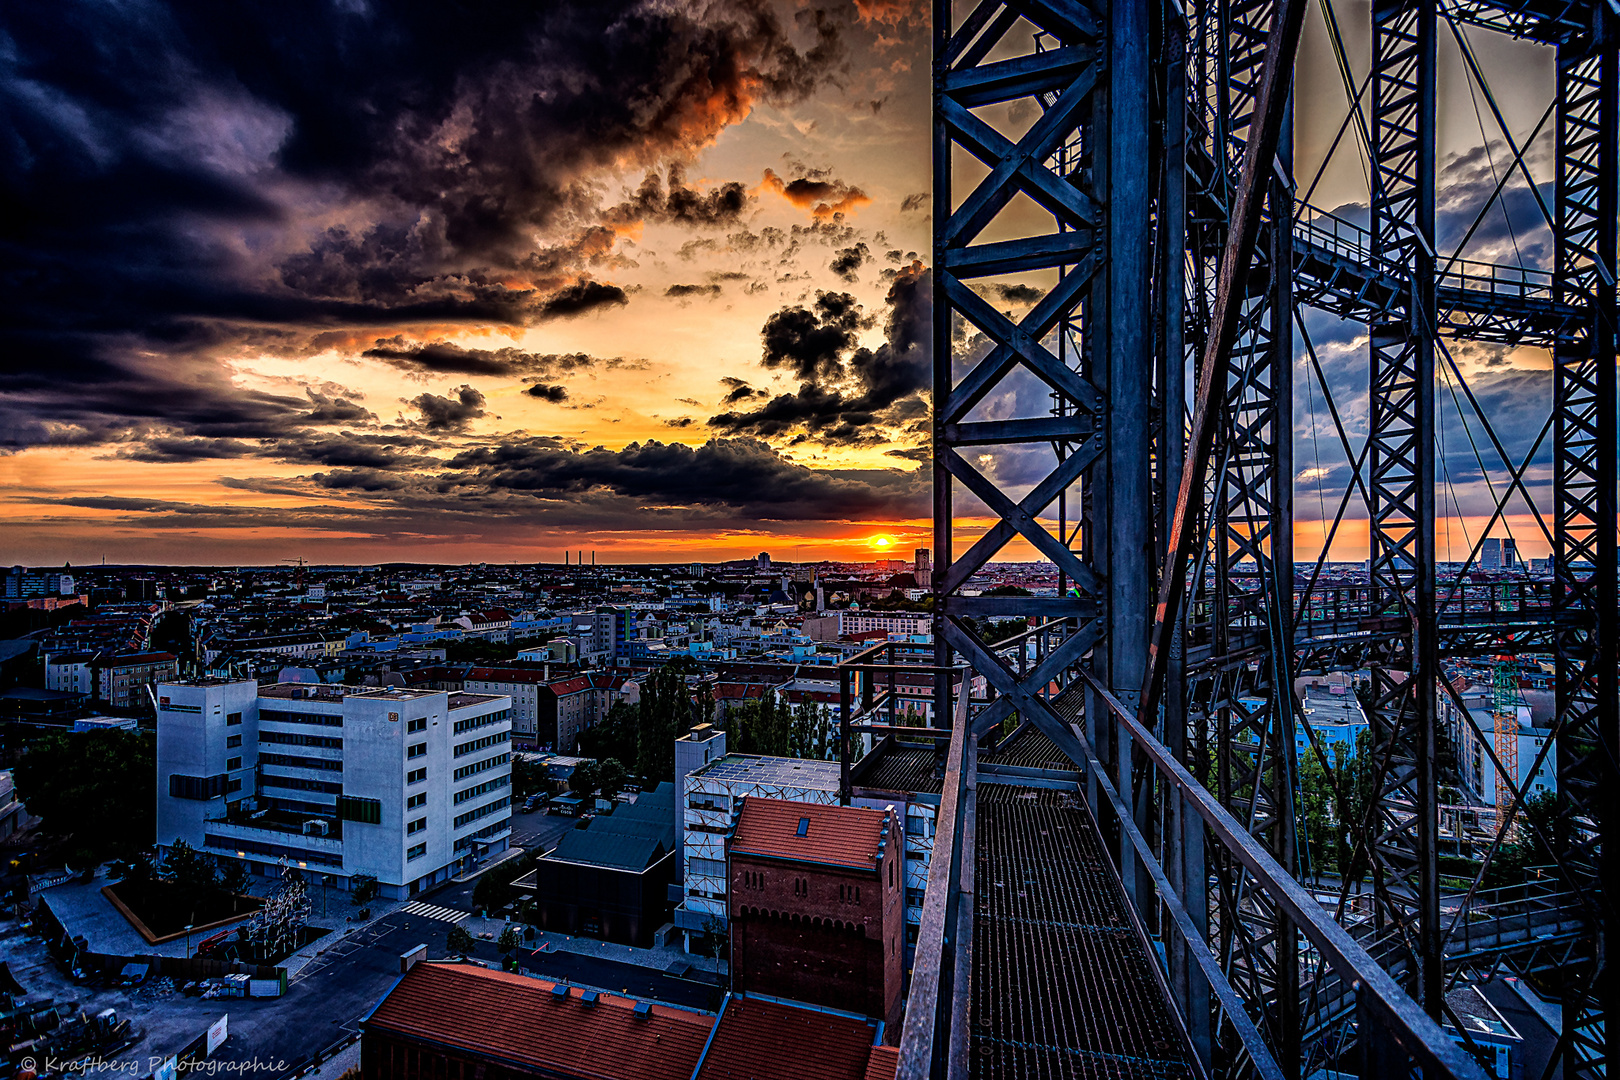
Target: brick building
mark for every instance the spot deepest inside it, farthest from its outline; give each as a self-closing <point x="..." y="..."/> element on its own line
<point x="443" y="1021"/>
<point x="816" y="905"/>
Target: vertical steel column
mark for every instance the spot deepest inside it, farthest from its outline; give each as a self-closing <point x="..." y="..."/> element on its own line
<point x="943" y="356"/>
<point x="1585" y="593"/>
<point x="1129" y="494"/>
<point x="1401" y="483"/>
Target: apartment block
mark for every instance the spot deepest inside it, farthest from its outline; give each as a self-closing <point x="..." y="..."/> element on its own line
<point x="408" y="786"/>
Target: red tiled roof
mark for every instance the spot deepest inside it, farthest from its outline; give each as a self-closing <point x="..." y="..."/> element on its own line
<point x="514" y="1017"/>
<point x="883" y="1063"/>
<point x="506" y="675"/>
<point x="728" y="691"/>
<point x="767" y="1040"/>
<point x="837" y="835"/>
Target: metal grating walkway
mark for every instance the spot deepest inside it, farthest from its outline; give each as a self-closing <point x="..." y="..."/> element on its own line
<point x="1062" y="985"/>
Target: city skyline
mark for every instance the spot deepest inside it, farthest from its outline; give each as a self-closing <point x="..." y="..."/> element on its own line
<point x="648" y="281"/>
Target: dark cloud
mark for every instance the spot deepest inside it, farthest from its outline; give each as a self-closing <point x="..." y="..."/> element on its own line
<point x="918" y="201"/>
<point x="445" y="358"/>
<point x="653" y="201"/>
<point x="682" y="422"/>
<point x="1020" y="295"/>
<point x="738" y="390"/>
<point x="850" y="259"/>
<point x="684" y="291"/>
<point x="450" y="414"/>
<point x="740" y="475"/>
<point x="847" y="394"/>
<point x="581" y="298"/>
<point x="182" y="182"/>
<point x="553" y="394"/>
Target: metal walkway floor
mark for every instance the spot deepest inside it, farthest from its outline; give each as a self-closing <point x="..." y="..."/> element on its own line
<point x="1062" y="984"/>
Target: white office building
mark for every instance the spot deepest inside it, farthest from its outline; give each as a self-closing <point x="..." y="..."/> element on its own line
<point x="409" y="786"/>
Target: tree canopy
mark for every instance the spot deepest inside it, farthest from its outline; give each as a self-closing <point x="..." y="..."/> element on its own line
<point x="94" y="791"/>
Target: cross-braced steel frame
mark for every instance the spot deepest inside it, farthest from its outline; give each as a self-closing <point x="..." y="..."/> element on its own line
<point x="1134" y="159"/>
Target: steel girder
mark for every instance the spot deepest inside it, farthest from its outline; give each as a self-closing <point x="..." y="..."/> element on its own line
<point x="1055" y="163"/>
<point x="1585" y="596"/>
<point x="1243" y="712"/>
<point x="1401" y="473"/>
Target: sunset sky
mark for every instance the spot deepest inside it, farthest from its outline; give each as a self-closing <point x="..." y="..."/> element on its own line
<point x="361" y="282"/>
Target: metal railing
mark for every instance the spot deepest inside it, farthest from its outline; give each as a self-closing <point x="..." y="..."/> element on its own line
<point x="934" y="1036"/>
<point x="1394" y="1035"/>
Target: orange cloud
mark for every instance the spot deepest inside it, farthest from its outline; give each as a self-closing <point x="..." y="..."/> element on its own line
<point x="823" y="198"/>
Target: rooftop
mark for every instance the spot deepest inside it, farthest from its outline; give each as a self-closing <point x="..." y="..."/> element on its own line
<point x="849" y="836"/>
<point x="516" y="1018"/>
<point x="761" y="1039"/>
<point x="804" y="773"/>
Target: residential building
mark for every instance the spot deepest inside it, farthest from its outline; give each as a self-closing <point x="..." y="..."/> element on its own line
<point x="523" y="686"/>
<point x="123" y="682"/>
<point x="1333" y="718"/>
<point x="13" y="814"/>
<point x="1515" y="730"/>
<point x="408" y="786"/>
<point x="566" y="707"/>
<point x="815" y="905"/>
<point x="1490" y="554"/>
<point x="611" y="629"/>
<point x="836" y="624"/>
<point x="71" y="672"/>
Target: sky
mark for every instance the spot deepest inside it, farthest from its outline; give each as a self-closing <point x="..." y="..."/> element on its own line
<point x="357" y="282"/>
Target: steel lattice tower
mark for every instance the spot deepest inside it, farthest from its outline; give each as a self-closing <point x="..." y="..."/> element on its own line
<point x="1150" y="193"/>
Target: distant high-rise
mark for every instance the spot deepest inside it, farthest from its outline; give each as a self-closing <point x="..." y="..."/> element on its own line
<point x="924" y="565"/>
<point x="1490" y="556"/>
<point x="764" y="560"/>
<point x="1510" y="553"/>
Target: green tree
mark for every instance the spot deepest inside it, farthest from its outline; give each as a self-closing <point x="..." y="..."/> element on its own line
<point x="614" y="736"/>
<point x="194" y="875"/>
<point x="666" y="712"/>
<point x="460" y="941"/>
<point x="362" y="889"/>
<point x="610" y="778"/>
<point x="511" y="939"/>
<point x="95" y="791"/>
<point x="528" y="776"/>
<point x="582" y="781"/>
<point x="494" y="889"/>
<point x="811" y="735"/>
<point x="234" y="879"/>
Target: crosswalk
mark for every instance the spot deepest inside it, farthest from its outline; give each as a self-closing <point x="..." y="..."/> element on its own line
<point x="434" y="911"/>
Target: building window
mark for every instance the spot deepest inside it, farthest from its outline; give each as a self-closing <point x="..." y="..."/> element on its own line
<point x="419" y="799"/>
<point x="416" y="826"/>
<point x="232" y="719"/>
<point x="416" y="852"/>
<point x="365" y="811"/>
<point x="419" y="724"/>
<point x="416" y="750"/>
<point x="416" y="776"/>
<point x="232" y="764"/>
<point x="706" y="867"/>
<point x="232" y="741"/>
<point x="201" y="788"/>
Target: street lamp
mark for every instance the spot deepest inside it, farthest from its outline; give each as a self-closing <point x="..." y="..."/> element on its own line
<point x="188" y="941"/>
